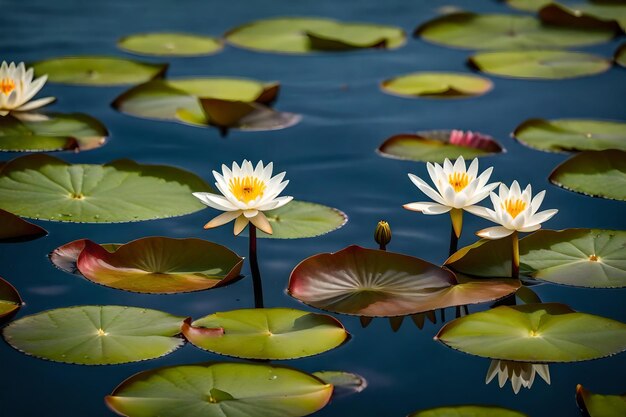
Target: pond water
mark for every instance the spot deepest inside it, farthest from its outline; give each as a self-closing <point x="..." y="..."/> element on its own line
<point x="330" y="158"/>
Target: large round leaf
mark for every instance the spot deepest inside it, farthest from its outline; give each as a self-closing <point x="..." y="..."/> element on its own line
<point x="376" y="283"/>
<point x="218" y="390"/>
<point x="535" y="333"/>
<point x="16" y="229"/>
<point x="506" y="31"/>
<point x="10" y="300"/>
<point x="266" y="333"/>
<point x="437" y="85"/>
<point x="620" y="55"/>
<point x="96" y="335"/>
<point x="437" y="145"/>
<point x="43" y="187"/>
<point x="468" y="411"/>
<point x="594" y="173"/>
<point x="170" y="44"/>
<point x="572" y="135"/>
<point x="540" y="64"/>
<point x="53" y="132"/>
<point x="98" y="70"/>
<point x="599" y="405"/>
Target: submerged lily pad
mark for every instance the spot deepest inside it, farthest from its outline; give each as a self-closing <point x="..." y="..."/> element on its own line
<point x="609" y="15"/>
<point x="599" y="405"/>
<point x="620" y="55"/>
<point x="170" y="44"/>
<point x="506" y="31"/>
<point x="343" y="382"/>
<point x="54" y="132"/>
<point x="437" y="145"/>
<point x="594" y="173"/>
<point x="43" y="187"/>
<point x="539" y="64"/>
<point x="468" y="411"/>
<point x="298" y="35"/>
<point x="219" y="389"/>
<point x="15" y="229"/>
<point x="572" y="135"/>
<point x="266" y="333"/>
<point x="98" y="70"/>
<point x="437" y="85"/>
<point x="537" y="333"/>
<point x="96" y="335"/>
<point x="376" y="283"/>
<point x="10" y="300"/>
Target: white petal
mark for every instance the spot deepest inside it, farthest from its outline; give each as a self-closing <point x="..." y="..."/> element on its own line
<point x="250" y="213"/>
<point x="541" y="217"/>
<point x="427" y="208"/>
<point x="472" y="171"/>
<point x="503" y="191"/>
<point x="216" y="201"/>
<point x="240" y="224"/>
<point x="35" y="104"/>
<point x="447" y="167"/>
<point x="495" y="232"/>
<point x="479" y="211"/>
<point x="536" y="202"/>
<point x="515" y="191"/>
<point x="426" y="189"/>
<point x="222" y="219"/>
<point x="261" y="222"/>
<point x="34" y="87"/>
<point x="492" y="371"/>
<point x="544" y="372"/>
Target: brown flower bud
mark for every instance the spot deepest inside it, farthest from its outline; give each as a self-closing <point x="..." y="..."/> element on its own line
<point x="382" y="235"/>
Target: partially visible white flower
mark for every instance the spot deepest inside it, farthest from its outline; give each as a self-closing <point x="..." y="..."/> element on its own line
<point x="246" y="193"/>
<point x="17" y="87"/>
<point x="514" y="210"/>
<point x="521" y="374"/>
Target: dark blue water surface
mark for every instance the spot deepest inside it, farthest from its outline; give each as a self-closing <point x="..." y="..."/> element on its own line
<point x="329" y="158"/>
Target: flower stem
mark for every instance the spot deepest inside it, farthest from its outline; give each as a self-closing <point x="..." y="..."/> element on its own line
<point x="456" y="217"/>
<point x="515" y="257"/>
<point x="454" y="243"/>
<point x="254" y="269"/>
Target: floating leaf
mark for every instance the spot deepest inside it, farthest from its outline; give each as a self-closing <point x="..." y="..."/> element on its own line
<point x="304" y="35"/>
<point x="537" y="333"/>
<point x="266" y="333"/>
<point x="170" y="44"/>
<point x="506" y="31"/>
<point x="437" y="145"/>
<point x="43" y="187"/>
<point x="98" y="70"/>
<point x="300" y="219"/>
<point x="10" y="300"/>
<point x="96" y="335"/>
<point x="572" y="135"/>
<point x="219" y="389"/>
<point x="527" y="5"/>
<point x="468" y="411"/>
<point x="583" y="16"/>
<point x="15" y="229"/>
<point x="539" y="64"/>
<point x="54" y="132"/>
<point x="599" y="405"/>
<point x="437" y="85"/>
<point x="343" y="382"/>
<point x="594" y="173"/>
<point x="377" y="283"/>
<point x="64" y="257"/>
<point x="620" y="55"/>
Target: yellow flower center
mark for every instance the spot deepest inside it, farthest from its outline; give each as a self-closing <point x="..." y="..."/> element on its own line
<point x="514" y="207"/>
<point x="7" y="85"/>
<point x="458" y="180"/>
<point x="246" y="189"/>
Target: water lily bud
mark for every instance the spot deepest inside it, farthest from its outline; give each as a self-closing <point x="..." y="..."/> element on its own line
<point x="382" y="235"/>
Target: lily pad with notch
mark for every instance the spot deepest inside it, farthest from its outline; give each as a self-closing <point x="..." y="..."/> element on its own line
<point x="15" y="229"/>
<point x="594" y="15"/>
<point x="437" y="85"/>
<point x="600" y="405"/>
<point x="10" y="300"/>
<point x="170" y="44"/>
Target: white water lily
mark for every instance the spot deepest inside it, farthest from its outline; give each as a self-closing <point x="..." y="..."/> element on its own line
<point x="521" y="374"/>
<point x="246" y="193"/>
<point x="17" y="88"/>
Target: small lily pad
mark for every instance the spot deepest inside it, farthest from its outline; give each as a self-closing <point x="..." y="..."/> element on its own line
<point x="527" y="5"/>
<point x="506" y="31"/>
<point x="219" y="389"/>
<point x="437" y="145"/>
<point x="10" y="300"/>
<point x="468" y="411"/>
<point x="266" y="333"/>
<point x="16" y="229"/>
<point x="609" y="16"/>
<point x="437" y="85"/>
<point x="565" y="135"/>
<point x="43" y="187"/>
<point x="343" y="382"/>
<point x="599" y="405"/>
<point x="96" y="335"/>
<point x="98" y="70"/>
<point x="536" y="333"/>
<point x="170" y="44"/>
<point x="539" y="64"/>
<point x="594" y="173"/>
<point x="54" y="132"/>
<point x="620" y="55"/>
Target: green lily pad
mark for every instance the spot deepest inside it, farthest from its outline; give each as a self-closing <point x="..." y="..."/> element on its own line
<point x="437" y="145"/>
<point x="96" y="335"/>
<point x="98" y="70"/>
<point x="160" y="265"/>
<point x="219" y="389"/>
<point x="537" y="333"/>
<point x="599" y="405"/>
<point x="539" y="64"/>
<point x="10" y="300"/>
<point x="343" y="382"/>
<point x="65" y="256"/>
<point x="170" y="44"/>
<point x="594" y="173"/>
<point x="468" y="411"/>
<point x="43" y="187"/>
<point x="609" y="16"/>
<point x="266" y="333"/>
<point x="437" y="85"/>
<point x="298" y="35"/>
<point x="506" y="31"/>
<point x="55" y="132"/>
<point x="527" y="5"/>
<point x="620" y="55"/>
<point x="376" y="283"/>
<point x="16" y="229"/>
<point x="563" y="135"/>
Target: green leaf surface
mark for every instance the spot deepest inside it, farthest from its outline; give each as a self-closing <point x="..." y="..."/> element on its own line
<point x="527" y="5"/>
<point x="468" y="411"/>
<point x="170" y="44"/>
<point x="10" y="300"/>
<point x="16" y="229"/>
<point x="599" y="405"/>
<point x="343" y="382"/>
<point x="437" y="85"/>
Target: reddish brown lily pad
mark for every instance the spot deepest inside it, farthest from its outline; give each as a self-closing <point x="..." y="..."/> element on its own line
<point x="10" y="300"/>
<point x="16" y="229"/>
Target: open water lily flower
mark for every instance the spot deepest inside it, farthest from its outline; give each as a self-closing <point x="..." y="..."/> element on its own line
<point x="247" y="192"/>
<point x="17" y="88"/>
<point x="521" y="374"/>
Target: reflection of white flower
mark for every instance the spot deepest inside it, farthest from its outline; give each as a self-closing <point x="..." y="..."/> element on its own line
<point x="247" y="193"/>
<point x="514" y="210"/>
<point x="17" y="87"/>
<point x="521" y="374"/>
